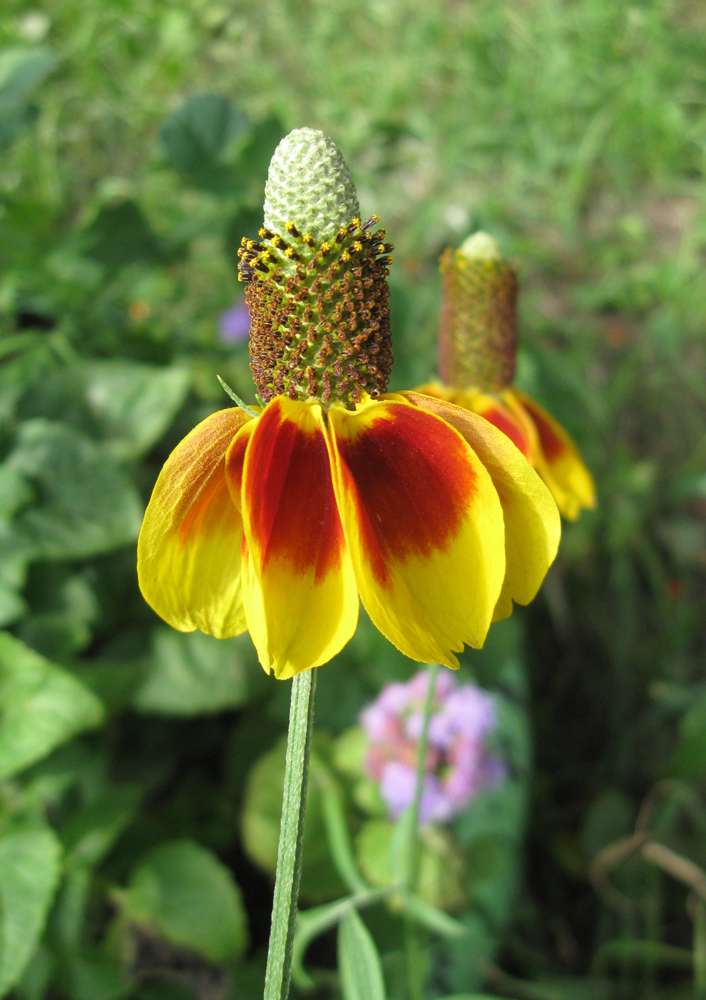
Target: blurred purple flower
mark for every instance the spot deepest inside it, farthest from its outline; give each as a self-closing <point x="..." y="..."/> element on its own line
<point x="458" y="763"/>
<point x="234" y="324"/>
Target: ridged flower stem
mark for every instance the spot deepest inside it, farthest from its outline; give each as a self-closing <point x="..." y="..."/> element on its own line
<point x="291" y="835"/>
<point x="415" y="986"/>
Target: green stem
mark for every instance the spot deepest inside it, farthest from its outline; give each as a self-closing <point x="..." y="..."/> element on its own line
<point x="291" y="835"/>
<point x="420" y="768"/>
<point x="413" y="964"/>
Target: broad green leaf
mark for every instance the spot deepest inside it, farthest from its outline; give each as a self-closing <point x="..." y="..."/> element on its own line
<point x="86" y="505"/>
<point x="183" y="892"/>
<point x="689" y="757"/>
<point x="358" y="961"/>
<point x="21" y="72"/>
<point x="14" y="563"/>
<point x="133" y="404"/>
<point x="440" y="865"/>
<point x="15" y="493"/>
<point x="90" y="976"/>
<point x="194" y="673"/>
<point x="41" y="706"/>
<point x="120" y="235"/>
<point x="64" y="608"/>
<point x="466" y="956"/>
<point x="196" y="136"/>
<point x="29" y="873"/>
<point x="89" y="834"/>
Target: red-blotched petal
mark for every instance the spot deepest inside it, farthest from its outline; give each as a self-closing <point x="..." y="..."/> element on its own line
<point x="532" y="523"/>
<point x="299" y="589"/>
<point x="490" y="408"/>
<point x="423" y="524"/>
<point x="556" y="457"/>
<point x="188" y="553"/>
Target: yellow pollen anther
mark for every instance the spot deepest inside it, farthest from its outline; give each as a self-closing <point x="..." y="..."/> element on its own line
<point x="250" y="244"/>
<point x="325" y="246"/>
<point x="358" y="246"/>
<point x="381" y="248"/>
<point x="276" y="240"/>
<point x="263" y="232"/>
<point x="265" y="255"/>
<point x="375" y="218"/>
<point x="345" y="256"/>
<point x="356" y="222"/>
<point x="289" y="252"/>
<point x="289" y="226"/>
<point x="308" y="239"/>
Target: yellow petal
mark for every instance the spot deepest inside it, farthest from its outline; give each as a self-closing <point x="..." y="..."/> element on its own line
<point x="489" y="407"/>
<point x="299" y="590"/>
<point x="532" y="523"/>
<point x="188" y="553"/>
<point x="556" y="457"/>
<point x="423" y="524"/>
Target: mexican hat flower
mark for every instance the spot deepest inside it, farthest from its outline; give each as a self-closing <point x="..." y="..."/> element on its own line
<point x="477" y="346"/>
<point x="280" y="519"/>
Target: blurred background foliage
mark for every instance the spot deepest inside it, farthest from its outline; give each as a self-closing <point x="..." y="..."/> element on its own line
<point x="139" y="767"/>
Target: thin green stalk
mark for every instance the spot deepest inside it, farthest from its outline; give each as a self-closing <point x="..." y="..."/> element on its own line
<point x="700" y="948"/>
<point x="413" y="964"/>
<point x="291" y="834"/>
<point x="420" y="768"/>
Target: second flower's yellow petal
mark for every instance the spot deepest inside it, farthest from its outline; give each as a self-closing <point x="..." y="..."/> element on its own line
<point x="423" y="524"/>
<point x="188" y="553"/>
<point x="556" y="457"/>
<point x="489" y="407"/>
<point x="299" y="589"/>
<point x="532" y="523"/>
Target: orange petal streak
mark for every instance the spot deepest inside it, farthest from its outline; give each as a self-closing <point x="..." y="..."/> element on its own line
<point x="300" y="596"/>
<point x="556" y="457"/>
<point x="188" y="553"/>
<point x="532" y="523"/>
<point x="423" y="525"/>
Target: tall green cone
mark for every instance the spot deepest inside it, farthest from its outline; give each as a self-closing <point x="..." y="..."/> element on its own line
<point x="478" y="332"/>
<point x="317" y="289"/>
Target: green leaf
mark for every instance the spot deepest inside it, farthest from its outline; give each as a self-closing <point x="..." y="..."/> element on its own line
<point x="29" y="873"/>
<point x="440" y="870"/>
<point x="689" y="757"/>
<point x="133" y="404"/>
<point x="120" y="235"/>
<point x="86" y="505"/>
<point x="88" y="835"/>
<point x="196" y="136"/>
<point x="184" y="893"/>
<point x="89" y="976"/>
<point x="21" y="72"/>
<point x="194" y="673"/>
<point x="42" y="706"/>
<point x="358" y="961"/>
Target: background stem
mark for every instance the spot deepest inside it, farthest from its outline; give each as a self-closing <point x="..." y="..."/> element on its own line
<point x="414" y="969"/>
